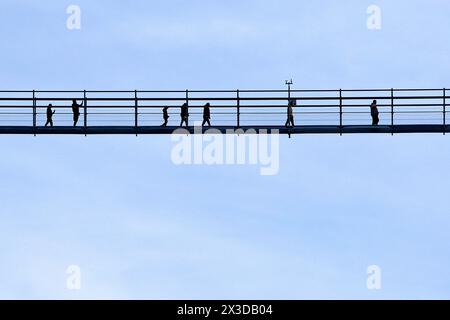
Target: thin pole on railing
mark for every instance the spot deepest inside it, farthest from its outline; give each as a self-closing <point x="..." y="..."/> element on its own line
<point x="34" y="112"/>
<point x="136" y="111"/>
<point x="238" y="103"/>
<point x="340" y="112"/>
<point x="443" y="111"/>
<point x="85" y="112"/>
<point x="289" y="83"/>
<point x="187" y="102"/>
<point x="392" y="111"/>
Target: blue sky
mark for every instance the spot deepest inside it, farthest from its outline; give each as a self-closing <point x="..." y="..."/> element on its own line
<point x="140" y="227"/>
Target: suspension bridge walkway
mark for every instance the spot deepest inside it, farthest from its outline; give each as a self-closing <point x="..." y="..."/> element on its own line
<point x="140" y="111"/>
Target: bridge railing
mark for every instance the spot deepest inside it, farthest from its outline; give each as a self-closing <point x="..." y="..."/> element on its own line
<point x="228" y="107"/>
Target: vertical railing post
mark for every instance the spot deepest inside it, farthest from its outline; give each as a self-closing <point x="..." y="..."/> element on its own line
<point x="85" y="112"/>
<point x="34" y="112"/>
<point x="392" y="111"/>
<point x="340" y="112"/>
<point x="238" y="104"/>
<point x="136" y="112"/>
<point x="187" y="102"/>
<point x="444" y="105"/>
<point x="289" y="102"/>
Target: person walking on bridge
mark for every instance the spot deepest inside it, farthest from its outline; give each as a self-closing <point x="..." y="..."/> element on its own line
<point x="165" y="116"/>
<point x="290" y="113"/>
<point x="206" y="115"/>
<point x="184" y="115"/>
<point x="374" y="113"/>
<point x="50" y="114"/>
<point x="76" y="111"/>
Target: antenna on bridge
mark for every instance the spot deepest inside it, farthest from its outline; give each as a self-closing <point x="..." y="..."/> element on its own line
<point x="289" y="83"/>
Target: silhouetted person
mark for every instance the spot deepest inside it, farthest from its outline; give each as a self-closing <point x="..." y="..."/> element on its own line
<point x="290" y="114"/>
<point x="374" y="113"/>
<point x="206" y="115"/>
<point x="165" y="116"/>
<point x="50" y="114"/>
<point x="76" y="111"/>
<point x="184" y="115"/>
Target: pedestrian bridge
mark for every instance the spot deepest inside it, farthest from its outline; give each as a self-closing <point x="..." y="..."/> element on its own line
<point x="232" y="111"/>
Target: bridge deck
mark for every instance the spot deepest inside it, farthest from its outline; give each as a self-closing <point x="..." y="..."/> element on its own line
<point x="145" y="130"/>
